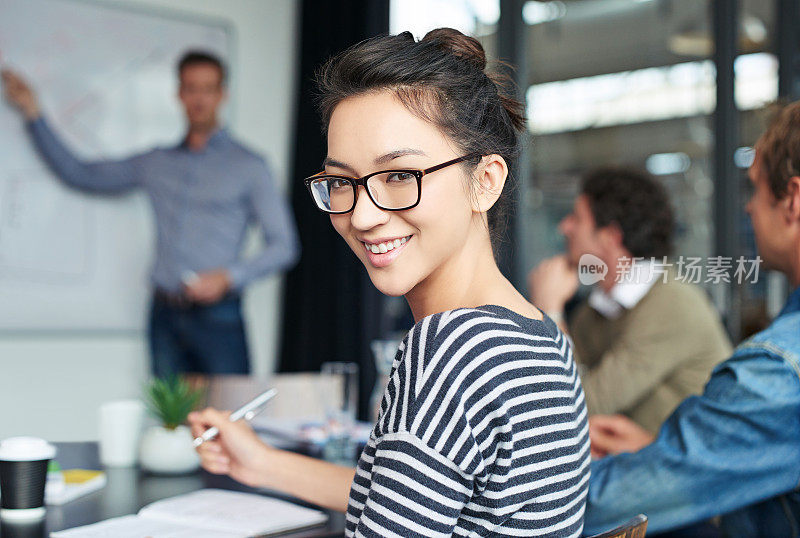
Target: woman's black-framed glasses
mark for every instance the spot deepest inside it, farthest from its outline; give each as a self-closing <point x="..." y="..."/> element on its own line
<point x="391" y="190"/>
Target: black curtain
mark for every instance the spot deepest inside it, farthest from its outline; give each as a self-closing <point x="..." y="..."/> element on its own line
<point x="331" y="311"/>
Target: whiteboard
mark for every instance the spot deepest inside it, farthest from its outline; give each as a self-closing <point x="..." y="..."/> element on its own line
<point x="105" y="78"/>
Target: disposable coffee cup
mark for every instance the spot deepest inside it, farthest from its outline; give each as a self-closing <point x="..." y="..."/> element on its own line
<point x="34" y="528"/>
<point x="23" y="474"/>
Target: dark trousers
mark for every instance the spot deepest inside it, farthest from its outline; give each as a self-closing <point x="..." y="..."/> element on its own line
<point x="197" y="338"/>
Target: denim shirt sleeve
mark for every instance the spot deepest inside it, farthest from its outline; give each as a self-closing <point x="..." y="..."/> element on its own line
<point x="270" y="209"/>
<point x="736" y="444"/>
<point x="112" y="176"/>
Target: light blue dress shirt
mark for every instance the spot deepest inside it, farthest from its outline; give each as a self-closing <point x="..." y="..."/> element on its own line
<point x="203" y="202"/>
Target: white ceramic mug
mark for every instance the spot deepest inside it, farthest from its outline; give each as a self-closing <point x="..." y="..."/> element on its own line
<point x="120" y="427"/>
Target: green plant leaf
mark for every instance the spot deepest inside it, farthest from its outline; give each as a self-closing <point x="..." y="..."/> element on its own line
<point x="171" y="399"/>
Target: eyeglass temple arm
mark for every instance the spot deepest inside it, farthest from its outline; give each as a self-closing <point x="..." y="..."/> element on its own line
<point x="448" y="163"/>
<point x="427" y="170"/>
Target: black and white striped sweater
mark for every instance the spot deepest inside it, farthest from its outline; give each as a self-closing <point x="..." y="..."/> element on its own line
<point x="482" y="432"/>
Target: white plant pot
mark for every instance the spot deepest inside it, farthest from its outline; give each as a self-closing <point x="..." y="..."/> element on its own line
<point x="166" y="451"/>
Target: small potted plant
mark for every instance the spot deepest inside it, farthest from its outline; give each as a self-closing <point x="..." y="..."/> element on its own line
<point x="168" y="449"/>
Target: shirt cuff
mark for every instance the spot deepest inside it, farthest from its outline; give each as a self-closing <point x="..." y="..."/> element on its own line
<point x="238" y="277"/>
<point x="37" y="124"/>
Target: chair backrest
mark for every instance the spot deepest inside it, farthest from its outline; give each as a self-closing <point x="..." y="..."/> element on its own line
<point x="633" y="528"/>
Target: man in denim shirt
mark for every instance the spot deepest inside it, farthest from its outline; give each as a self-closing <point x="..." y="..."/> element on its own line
<point x="204" y="193"/>
<point x="734" y="450"/>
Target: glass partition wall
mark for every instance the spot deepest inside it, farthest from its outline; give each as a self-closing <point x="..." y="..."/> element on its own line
<point x="631" y="82"/>
<point x="634" y="83"/>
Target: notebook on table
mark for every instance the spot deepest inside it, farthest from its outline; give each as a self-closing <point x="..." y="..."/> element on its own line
<point x="77" y="483"/>
<point x="207" y="513"/>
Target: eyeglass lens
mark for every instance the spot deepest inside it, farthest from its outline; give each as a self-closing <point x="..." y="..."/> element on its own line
<point x="389" y="190"/>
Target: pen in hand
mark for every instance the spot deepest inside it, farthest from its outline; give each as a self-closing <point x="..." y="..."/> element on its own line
<point x="247" y="412"/>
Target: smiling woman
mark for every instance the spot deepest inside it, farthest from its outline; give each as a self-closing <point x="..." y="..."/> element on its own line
<point x="482" y="428"/>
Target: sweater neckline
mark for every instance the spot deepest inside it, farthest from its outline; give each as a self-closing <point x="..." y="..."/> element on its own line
<point x="521" y="320"/>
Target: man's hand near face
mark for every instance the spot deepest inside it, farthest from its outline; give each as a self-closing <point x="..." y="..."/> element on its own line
<point x="552" y="283"/>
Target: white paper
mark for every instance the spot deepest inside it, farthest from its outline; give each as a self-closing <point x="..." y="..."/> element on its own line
<point x="138" y="527"/>
<point x="245" y="514"/>
<point x="207" y="513"/>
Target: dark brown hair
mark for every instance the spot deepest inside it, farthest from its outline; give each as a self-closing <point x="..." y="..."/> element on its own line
<point x="199" y="57"/>
<point x="779" y="148"/>
<point x="635" y="202"/>
<point x="442" y="79"/>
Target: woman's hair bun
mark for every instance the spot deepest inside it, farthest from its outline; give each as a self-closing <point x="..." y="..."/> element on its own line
<point x="460" y="45"/>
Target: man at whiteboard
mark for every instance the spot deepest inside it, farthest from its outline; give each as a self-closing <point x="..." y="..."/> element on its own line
<point x="204" y="192"/>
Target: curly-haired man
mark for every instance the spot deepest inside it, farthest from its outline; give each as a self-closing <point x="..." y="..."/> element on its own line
<point x="645" y="340"/>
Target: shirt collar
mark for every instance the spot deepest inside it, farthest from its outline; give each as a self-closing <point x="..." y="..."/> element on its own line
<point x="792" y="303"/>
<point x="217" y="139"/>
<point x="626" y="293"/>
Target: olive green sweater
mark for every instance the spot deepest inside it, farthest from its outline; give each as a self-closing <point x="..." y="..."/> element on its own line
<point x="644" y="363"/>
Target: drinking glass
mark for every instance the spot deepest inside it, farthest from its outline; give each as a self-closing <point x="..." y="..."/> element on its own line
<point x="339" y="393"/>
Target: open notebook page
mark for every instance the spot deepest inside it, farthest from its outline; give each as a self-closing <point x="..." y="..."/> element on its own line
<point x="232" y="511"/>
<point x="137" y="527"/>
<point x="207" y="513"/>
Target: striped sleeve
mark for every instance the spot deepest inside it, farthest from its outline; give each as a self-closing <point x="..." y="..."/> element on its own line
<point x="415" y="491"/>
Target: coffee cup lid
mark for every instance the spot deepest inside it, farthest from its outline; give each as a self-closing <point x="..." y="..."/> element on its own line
<point x="26" y="449"/>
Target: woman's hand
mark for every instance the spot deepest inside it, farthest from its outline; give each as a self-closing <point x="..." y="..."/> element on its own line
<point x="236" y="450"/>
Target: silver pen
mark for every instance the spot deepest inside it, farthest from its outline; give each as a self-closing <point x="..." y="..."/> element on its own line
<point x="247" y="412"/>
